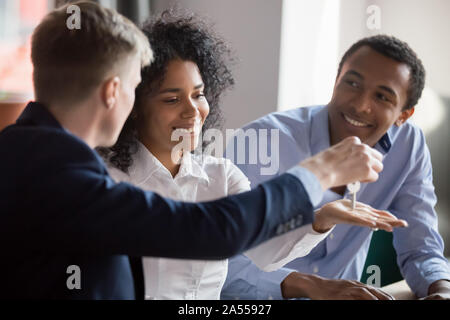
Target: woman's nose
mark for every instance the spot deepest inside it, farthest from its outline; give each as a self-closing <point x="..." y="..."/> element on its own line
<point x="190" y="109"/>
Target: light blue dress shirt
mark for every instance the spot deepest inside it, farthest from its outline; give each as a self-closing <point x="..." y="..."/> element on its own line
<point x="405" y="188"/>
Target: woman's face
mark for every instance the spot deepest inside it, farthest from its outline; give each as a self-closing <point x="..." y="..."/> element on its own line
<point x="177" y="110"/>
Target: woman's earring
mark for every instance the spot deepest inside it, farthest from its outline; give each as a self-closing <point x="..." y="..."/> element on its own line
<point x="399" y="123"/>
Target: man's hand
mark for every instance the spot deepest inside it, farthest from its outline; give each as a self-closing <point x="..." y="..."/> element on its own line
<point x="299" y="285"/>
<point x="341" y="211"/>
<point x="344" y="163"/>
<point x="438" y="290"/>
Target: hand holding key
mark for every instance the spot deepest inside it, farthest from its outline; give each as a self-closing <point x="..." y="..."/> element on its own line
<point x="353" y="188"/>
<point x="346" y="162"/>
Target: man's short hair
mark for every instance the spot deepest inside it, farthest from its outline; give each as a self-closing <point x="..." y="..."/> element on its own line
<point x="400" y="51"/>
<point x="70" y="63"/>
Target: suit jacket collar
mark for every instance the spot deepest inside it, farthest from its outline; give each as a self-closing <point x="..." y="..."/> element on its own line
<point x="37" y="114"/>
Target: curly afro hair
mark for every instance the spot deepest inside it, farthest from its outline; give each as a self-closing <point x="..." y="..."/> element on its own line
<point x="184" y="36"/>
<point x="398" y="50"/>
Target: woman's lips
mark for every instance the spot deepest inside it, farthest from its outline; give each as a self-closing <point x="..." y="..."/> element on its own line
<point x="185" y="130"/>
<point x="188" y="128"/>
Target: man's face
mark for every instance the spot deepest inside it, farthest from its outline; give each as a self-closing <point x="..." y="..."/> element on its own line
<point x="369" y="96"/>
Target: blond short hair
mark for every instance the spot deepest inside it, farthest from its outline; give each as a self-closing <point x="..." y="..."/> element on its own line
<point x="70" y="63"/>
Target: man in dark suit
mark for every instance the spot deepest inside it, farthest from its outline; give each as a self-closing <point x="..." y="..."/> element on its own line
<point x="67" y="230"/>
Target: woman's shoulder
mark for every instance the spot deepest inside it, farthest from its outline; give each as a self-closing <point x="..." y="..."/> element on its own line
<point x="222" y="169"/>
<point x="117" y="174"/>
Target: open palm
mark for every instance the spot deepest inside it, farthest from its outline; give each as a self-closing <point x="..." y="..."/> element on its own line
<point x="341" y="212"/>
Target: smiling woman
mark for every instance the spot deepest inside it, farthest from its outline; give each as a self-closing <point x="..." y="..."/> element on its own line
<point x="179" y="94"/>
<point x="181" y="40"/>
<point x="176" y="111"/>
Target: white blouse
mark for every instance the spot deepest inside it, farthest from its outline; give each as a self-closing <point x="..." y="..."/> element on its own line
<point x="203" y="179"/>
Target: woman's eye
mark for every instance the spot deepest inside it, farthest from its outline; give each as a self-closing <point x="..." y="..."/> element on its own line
<point x="171" y="100"/>
<point x="200" y="95"/>
<point x="352" y="83"/>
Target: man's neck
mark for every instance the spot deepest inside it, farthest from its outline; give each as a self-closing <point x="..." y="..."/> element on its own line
<point x="78" y="121"/>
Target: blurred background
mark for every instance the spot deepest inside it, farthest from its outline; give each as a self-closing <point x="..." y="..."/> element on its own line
<point x="288" y="52"/>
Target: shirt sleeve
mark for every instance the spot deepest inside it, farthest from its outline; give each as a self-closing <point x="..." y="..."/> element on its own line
<point x="275" y="253"/>
<point x="246" y="281"/>
<point x="419" y="247"/>
<point x="246" y="278"/>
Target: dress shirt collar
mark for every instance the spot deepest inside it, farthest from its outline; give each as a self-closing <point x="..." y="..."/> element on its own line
<point x="320" y="134"/>
<point x="385" y="142"/>
<point x="146" y="164"/>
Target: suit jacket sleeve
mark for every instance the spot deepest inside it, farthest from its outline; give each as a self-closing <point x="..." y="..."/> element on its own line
<point x="79" y="209"/>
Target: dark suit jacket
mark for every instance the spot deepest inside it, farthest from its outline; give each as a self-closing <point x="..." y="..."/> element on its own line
<point x="59" y="207"/>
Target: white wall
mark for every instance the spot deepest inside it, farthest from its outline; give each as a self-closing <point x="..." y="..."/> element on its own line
<point x="309" y="52"/>
<point x="424" y="25"/>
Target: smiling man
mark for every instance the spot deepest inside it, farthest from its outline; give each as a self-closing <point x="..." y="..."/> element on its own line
<point x="371" y="94"/>
<point x="379" y="81"/>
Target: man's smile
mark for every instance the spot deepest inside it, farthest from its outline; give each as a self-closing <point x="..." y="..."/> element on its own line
<point x="356" y="123"/>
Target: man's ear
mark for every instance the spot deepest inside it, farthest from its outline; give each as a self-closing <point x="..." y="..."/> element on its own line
<point x="405" y="115"/>
<point x="110" y="92"/>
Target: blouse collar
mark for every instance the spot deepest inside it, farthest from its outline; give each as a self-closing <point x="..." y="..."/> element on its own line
<point x="145" y="164"/>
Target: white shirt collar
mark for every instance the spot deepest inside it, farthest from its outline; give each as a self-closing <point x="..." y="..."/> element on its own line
<point x="146" y="164"/>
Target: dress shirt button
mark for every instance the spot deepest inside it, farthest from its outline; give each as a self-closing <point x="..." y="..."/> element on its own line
<point x="173" y="194"/>
<point x="298" y="220"/>
<point x="315" y="269"/>
<point x="279" y="229"/>
<point x="331" y="236"/>
<point x="189" y="295"/>
<point x="292" y="224"/>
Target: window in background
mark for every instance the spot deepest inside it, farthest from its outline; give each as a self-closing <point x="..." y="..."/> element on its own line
<point x="430" y="112"/>
<point x="137" y="10"/>
<point x="17" y="21"/>
<point x="309" y="50"/>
